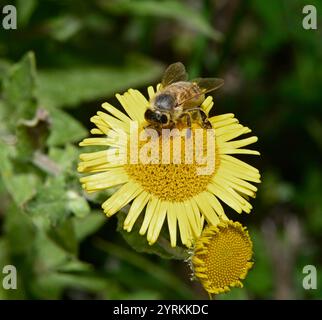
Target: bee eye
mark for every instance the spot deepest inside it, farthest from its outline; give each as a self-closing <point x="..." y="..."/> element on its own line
<point x="164" y="119"/>
<point x="148" y="114"/>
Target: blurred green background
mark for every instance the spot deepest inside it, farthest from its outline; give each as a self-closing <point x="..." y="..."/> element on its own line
<point x="67" y="57"/>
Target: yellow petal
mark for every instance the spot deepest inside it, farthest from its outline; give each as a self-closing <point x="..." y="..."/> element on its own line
<point x="213" y="201"/>
<point x="156" y="223"/>
<point x="240" y="143"/>
<point x="115" y="112"/>
<point x="136" y="208"/>
<point x="206" y="209"/>
<point x="121" y="198"/>
<point x="149" y="212"/>
<point x="193" y="215"/>
<point x="207" y="104"/>
<point x="232" y="134"/>
<point x="224" y="196"/>
<point x="151" y="92"/>
<point x="172" y="224"/>
<point x="184" y="225"/>
<point x="104" y="180"/>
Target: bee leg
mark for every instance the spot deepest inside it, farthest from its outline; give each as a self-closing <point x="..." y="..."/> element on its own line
<point x="205" y="122"/>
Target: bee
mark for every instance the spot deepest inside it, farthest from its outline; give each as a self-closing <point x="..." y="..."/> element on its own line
<point x="179" y="100"/>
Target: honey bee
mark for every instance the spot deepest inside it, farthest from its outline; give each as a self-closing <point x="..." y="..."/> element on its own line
<point x="179" y="100"/>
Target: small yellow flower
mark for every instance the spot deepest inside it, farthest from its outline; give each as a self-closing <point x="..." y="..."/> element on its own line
<point x="221" y="257"/>
<point x="171" y="192"/>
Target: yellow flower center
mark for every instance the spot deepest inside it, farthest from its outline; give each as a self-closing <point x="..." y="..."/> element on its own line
<point x="222" y="256"/>
<point x="178" y="179"/>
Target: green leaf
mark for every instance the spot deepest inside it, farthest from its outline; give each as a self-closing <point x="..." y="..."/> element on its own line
<point x="25" y="9"/>
<point x="64" y="236"/>
<point x="88" y="225"/>
<point x="64" y="129"/>
<point x="18" y="190"/>
<point x="50" y="206"/>
<point x="66" y="157"/>
<point x="162" y="247"/>
<point x="70" y="87"/>
<point x="19" y="90"/>
<point x="62" y="28"/>
<point x="164" y="9"/>
<point x="77" y="204"/>
<point x="50" y="255"/>
<point x="4" y="68"/>
<point x="32" y="134"/>
<point x="19" y="231"/>
<point x="16" y="183"/>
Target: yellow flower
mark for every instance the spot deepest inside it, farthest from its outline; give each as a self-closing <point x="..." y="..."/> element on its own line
<point x="221" y="257"/>
<point x="173" y="192"/>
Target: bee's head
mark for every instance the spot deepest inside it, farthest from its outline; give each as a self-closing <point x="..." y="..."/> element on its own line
<point x="164" y="101"/>
<point x="156" y="117"/>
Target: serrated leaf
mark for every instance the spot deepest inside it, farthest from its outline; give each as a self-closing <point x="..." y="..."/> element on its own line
<point x="164" y="9"/>
<point x="162" y="247"/>
<point x="70" y="87"/>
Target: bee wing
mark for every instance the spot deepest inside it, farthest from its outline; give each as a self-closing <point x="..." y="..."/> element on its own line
<point x="208" y="84"/>
<point x="174" y="73"/>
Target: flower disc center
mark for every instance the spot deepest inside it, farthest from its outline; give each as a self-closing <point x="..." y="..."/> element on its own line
<point x="182" y="176"/>
<point x="222" y="256"/>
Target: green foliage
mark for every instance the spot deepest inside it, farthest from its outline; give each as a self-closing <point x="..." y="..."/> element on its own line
<point x="44" y="199"/>
<point x="164" y="9"/>
<point x="104" y="82"/>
